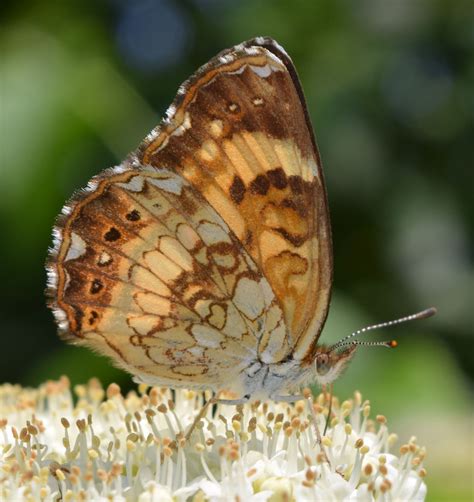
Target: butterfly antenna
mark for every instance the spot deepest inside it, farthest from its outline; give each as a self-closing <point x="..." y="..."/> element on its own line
<point x="424" y="314"/>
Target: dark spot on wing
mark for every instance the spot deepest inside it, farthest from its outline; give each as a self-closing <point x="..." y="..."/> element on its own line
<point x="260" y="185"/>
<point x="296" y="184"/>
<point x="237" y="190"/>
<point x="277" y="178"/>
<point x="93" y="317"/>
<point x="133" y="215"/>
<point x="112" y="235"/>
<point x="96" y="286"/>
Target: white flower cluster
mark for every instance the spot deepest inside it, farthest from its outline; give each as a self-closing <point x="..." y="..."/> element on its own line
<point x="109" y="447"/>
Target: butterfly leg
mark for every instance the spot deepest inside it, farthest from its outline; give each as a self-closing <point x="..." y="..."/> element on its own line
<point x="309" y="401"/>
<point x="200" y="415"/>
<point x="214" y="400"/>
<point x="287" y="399"/>
<point x="234" y="402"/>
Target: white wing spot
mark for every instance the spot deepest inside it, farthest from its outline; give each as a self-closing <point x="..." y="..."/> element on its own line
<point x="248" y="298"/>
<point x="76" y="248"/>
<point x="121" y="168"/>
<point x="104" y="258"/>
<point x="262" y="71"/>
<point x="171" y="185"/>
<point x="206" y="336"/>
<point x="211" y="233"/>
<point x="134" y="185"/>
<point x="257" y="101"/>
<point x="314" y="167"/>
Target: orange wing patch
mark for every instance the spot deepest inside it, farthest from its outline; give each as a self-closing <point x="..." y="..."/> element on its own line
<point x="239" y="133"/>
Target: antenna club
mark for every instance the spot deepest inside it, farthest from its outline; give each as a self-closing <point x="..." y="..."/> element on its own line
<point x="428" y="312"/>
<point x="393" y="344"/>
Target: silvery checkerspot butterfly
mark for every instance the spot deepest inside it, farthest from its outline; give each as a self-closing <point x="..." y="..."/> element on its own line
<point x="204" y="259"/>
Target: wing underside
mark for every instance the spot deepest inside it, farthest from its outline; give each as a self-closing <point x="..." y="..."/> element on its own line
<point x="239" y="131"/>
<point x="210" y="247"/>
<point x="150" y="275"/>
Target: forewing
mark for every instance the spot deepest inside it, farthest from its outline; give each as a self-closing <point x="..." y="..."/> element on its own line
<point x="146" y="272"/>
<point x="239" y="132"/>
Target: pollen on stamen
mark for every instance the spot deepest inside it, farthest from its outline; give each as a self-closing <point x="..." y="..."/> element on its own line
<point x="108" y="445"/>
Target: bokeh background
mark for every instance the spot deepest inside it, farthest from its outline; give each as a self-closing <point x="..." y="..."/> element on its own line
<point x="389" y="87"/>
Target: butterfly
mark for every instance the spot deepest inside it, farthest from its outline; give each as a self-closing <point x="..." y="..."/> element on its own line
<point x="204" y="260"/>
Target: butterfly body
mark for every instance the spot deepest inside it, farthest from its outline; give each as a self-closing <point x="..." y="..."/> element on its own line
<point x="204" y="260"/>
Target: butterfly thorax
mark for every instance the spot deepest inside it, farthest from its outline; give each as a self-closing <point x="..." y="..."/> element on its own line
<point x="262" y="381"/>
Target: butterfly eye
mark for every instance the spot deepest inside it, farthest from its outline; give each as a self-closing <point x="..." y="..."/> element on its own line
<point x="322" y="364"/>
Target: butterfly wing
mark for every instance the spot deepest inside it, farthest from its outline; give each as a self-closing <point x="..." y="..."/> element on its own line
<point x="146" y="272"/>
<point x="209" y="248"/>
<point x="239" y="132"/>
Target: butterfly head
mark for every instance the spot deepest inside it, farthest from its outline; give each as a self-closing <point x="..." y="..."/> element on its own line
<point x="330" y="362"/>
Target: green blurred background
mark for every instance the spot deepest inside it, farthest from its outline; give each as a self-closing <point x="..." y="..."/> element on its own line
<point x="389" y="86"/>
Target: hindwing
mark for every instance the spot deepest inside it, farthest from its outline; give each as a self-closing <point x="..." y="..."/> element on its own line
<point x="149" y="274"/>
